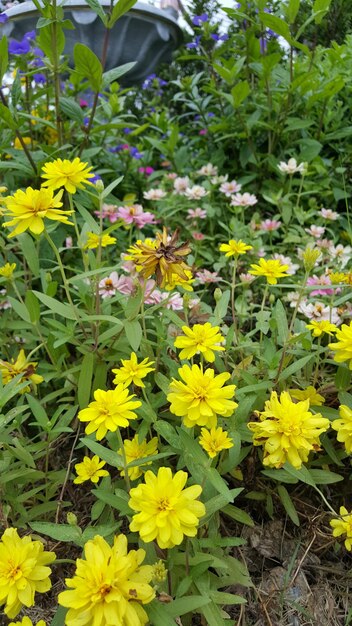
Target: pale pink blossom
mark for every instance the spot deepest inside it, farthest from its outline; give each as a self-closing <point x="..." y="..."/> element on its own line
<point x="270" y="225"/>
<point x="293" y="297"/>
<point x="196" y="192"/>
<point x="4" y="304"/>
<point x="171" y="175"/>
<point x="319" y="312"/>
<point x="286" y="260"/>
<point x="68" y="242"/>
<point x="246" y="278"/>
<point x="315" y="231"/>
<point x="174" y="302"/>
<point x="151" y="294"/>
<point x="181" y="184"/>
<point x="291" y="167"/>
<point x="324" y="244"/>
<point x="208" y="170"/>
<point x="205" y="276"/>
<point x="198" y="236"/>
<point x="134" y="214"/>
<point x="229" y="188"/>
<point x="341" y="253"/>
<point x="261" y="252"/>
<point x="243" y="199"/>
<point x="194" y="214"/>
<point x="320" y="280"/>
<point x="114" y="283"/>
<point x="108" y="211"/>
<point x="128" y="266"/>
<point x="328" y="214"/>
<point x="154" y="194"/>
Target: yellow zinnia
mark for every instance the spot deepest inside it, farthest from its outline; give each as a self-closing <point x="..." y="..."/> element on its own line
<point x="135" y="451"/>
<point x="201" y="397"/>
<point x="343" y="347"/>
<point x="214" y="441"/>
<point x="343" y="526"/>
<point x="201" y="338"/>
<point x="132" y="371"/>
<point x="310" y="393"/>
<point x="23" y="571"/>
<point x="235" y="248"/>
<point x="272" y="269"/>
<point x="26" y="621"/>
<point x="323" y="326"/>
<point x="343" y="426"/>
<point x="109" y="586"/>
<point x="10" y="369"/>
<point x="287" y="431"/>
<point x="72" y="175"/>
<point x="90" y="469"/>
<point x="110" y="410"/>
<point x="96" y="241"/>
<point x="29" y="208"/>
<point x="166" y="511"/>
<point x="7" y="270"/>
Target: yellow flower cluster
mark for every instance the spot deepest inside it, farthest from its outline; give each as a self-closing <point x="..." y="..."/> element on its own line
<point x="11" y="369"/>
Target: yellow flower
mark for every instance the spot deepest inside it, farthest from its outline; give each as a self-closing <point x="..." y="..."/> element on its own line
<point x="318" y="328"/>
<point x="311" y="394"/>
<point x="159" y="572"/>
<point x="9" y="370"/>
<point x="310" y="257"/>
<point x="109" y="586"/>
<point x="348" y="278"/>
<point x="134" y="451"/>
<point x="235" y="248"/>
<point x="201" y="338"/>
<point x="272" y="269"/>
<point x="72" y="175"/>
<point x="29" y="208"/>
<point x="166" y="511"/>
<point x="94" y="241"/>
<point x="23" y="571"/>
<point x="132" y="371"/>
<point x="26" y="621"/>
<point x="215" y="440"/>
<point x="343" y="526"/>
<point x="201" y="397"/>
<point x="343" y="426"/>
<point x="109" y="411"/>
<point x="90" y="469"/>
<point x="337" y="278"/>
<point x="287" y="431"/>
<point x="7" y="270"/>
<point x="177" y="281"/>
<point x="343" y="347"/>
<point x="17" y="144"/>
<point x="161" y="257"/>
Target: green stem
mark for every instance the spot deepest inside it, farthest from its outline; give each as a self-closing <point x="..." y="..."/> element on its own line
<point x="261" y="311"/>
<point x="56" y="73"/>
<point x="233" y="287"/>
<point x="316" y="373"/>
<point x="123" y="454"/>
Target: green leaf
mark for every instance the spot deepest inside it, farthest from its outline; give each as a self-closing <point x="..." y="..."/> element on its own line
<point x="38" y="411"/>
<point x="88" y="65"/>
<point x="288" y="504"/>
<point x="158" y="614"/>
<point x="112" y="186"/>
<point x="30" y="252"/>
<point x="302" y="474"/>
<point x="45" y="41"/>
<point x="324" y="477"/>
<point x="112" y="458"/>
<point x="276" y="24"/>
<point x="134" y="333"/>
<point x="292" y="10"/>
<point x="59" y="532"/>
<point x="186" y="604"/>
<point x="54" y="305"/>
<point x="111" y="75"/>
<point x="295" y="366"/>
<point x="320" y="7"/>
<point x="220" y="597"/>
<point x="98" y="9"/>
<point x="281" y="321"/>
<point x="85" y="380"/>
<point x="240" y="92"/>
<point x="33" y="307"/>
<point x="237" y="514"/>
<point x="8" y="117"/>
<point x="4" y="57"/>
<point x="114" y="500"/>
<point x="59" y="617"/>
<point x="20" y="309"/>
<point x="120" y="8"/>
<point x="72" y="110"/>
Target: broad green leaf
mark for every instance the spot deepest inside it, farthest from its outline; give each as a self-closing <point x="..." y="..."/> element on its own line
<point x="292" y="10"/>
<point x="88" y="65"/>
<point x="4" y="57"/>
<point x="54" y="305"/>
<point x="38" y="411"/>
<point x="85" y="380"/>
<point x="45" y="41"/>
<point x="33" y="307"/>
<point x="134" y="333"/>
<point x="112" y="458"/>
<point x="72" y="110"/>
<point x="237" y="514"/>
<point x="8" y="117"/>
<point x="295" y="366"/>
<point x="120" y="8"/>
<point x="59" y="532"/>
<point x="186" y="604"/>
<point x="240" y="92"/>
<point x="59" y="617"/>
<point x="281" y="321"/>
<point x="158" y="614"/>
<point x="30" y="252"/>
<point x="111" y="75"/>
<point x="288" y="504"/>
<point x="320" y="8"/>
<point x="324" y="477"/>
<point x="221" y="597"/>
<point x="114" y="500"/>
<point x="302" y="474"/>
<point x="20" y="309"/>
<point x="276" y="24"/>
<point x="98" y="9"/>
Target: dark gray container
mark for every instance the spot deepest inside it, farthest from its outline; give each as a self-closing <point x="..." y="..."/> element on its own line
<point x="145" y="34"/>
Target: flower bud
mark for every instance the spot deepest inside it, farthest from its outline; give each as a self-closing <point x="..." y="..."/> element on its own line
<point x="310" y="257"/>
<point x="217" y="294"/>
<point x="72" y="519"/>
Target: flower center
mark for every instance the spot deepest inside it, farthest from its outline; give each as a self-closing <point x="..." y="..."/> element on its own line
<point x="164" y="505"/>
<point x="15" y="573"/>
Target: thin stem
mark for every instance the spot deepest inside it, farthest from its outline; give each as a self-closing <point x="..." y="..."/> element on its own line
<point x="316" y="373"/>
<point x="233" y="287"/>
<point x="123" y="454"/>
<point x="56" y="74"/>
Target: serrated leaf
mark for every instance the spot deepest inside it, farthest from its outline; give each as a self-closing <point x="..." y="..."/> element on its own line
<point x="88" y="65"/>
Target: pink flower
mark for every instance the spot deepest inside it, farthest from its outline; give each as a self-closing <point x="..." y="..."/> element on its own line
<point x="108" y="211"/>
<point x="194" y="214"/>
<point x="146" y="170"/>
<point x="205" y="276"/>
<point x="154" y="194"/>
<point x="270" y="225"/>
<point x="196" y="192"/>
<point x="315" y="231"/>
<point x="246" y="278"/>
<point x="328" y="214"/>
<point x="171" y="175"/>
<point x="151" y="295"/>
<point x="128" y="266"/>
<point x="198" y="236"/>
<point x="4" y="304"/>
<point x="324" y="244"/>
<point x="111" y="284"/>
<point x="319" y="312"/>
<point x="134" y="214"/>
<point x="203" y="131"/>
<point x="208" y="170"/>
<point x="83" y="103"/>
<point x="229" y="188"/>
<point x="181" y="184"/>
<point x="175" y="302"/>
<point x="320" y="280"/>
<point x="243" y="199"/>
<point x="68" y="242"/>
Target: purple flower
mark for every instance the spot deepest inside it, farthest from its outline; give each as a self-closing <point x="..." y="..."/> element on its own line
<point x="198" y="20"/>
<point x="127" y="131"/>
<point x="95" y="178"/>
<point x="210" y="114"/>
<point x="39" y="78"/>
<point x="219" y="37"/>
<point x="3" y="18"/>
<point x="193" y="44"/>
<point x="19" y="47"/>
<point x="85" y="121"/>
<point x="162" y="82"/>
<point x="38" y="52"/>
<point x="135" y="154"/>
<point x="30" y="36"/>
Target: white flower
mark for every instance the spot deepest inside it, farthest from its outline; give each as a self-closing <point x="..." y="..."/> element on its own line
<point x="208" y="170"/>
<point x="218" y="180"/>
<point x="243" y="199"/>
<point x="341" y="253"/>
<point x="291" y="167"/>
<point x="230" y="188"/>
<point x="328" y="214"/>
<point x="315" y="231"/>
<point x="196" y="192"/>
<point x="181" y="184"/>
<point x="320" y="312"/>
<point x="154" y="194"/>
<point x="286" y="260"/>
<point x="292" y="297"/>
